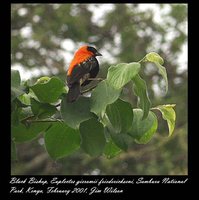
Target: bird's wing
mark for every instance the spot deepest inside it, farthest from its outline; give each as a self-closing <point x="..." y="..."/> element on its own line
<point x="93" y="72"/>
<point x="81" y="69"/>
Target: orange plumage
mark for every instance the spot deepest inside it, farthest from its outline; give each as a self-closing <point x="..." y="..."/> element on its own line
<point x="80" y="56"/>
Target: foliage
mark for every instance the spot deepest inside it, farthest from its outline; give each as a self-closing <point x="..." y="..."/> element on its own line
<point x="85" y="121"/>
<point x="61" y="140"/>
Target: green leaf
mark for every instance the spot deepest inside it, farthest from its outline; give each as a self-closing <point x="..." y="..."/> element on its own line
<point x="15" y="78"/>
<point x="32" y="94"/>
<point x="42" y="110"/>
<point x="19" y="111"/>
<point x="111" y="150"/>
<point x="143" y="130"/>
<point x="118" y="119"/>
<point x="48" y="91"/>
<point x="61" y="140"/>
<point x="120" y="74"/>
<point x="15" y="92"/>
<point x="15" y="116"/>
<point x="75" y="113"/>
<point x="22" y="133"/>
<point x="25" y="99"/>
<point x="121" y="140"/>
<point x="25" y="112"/>
<point x="154" y="57"/>
<point x="140" y="90"/>
<point x="168" y="114"/>
<point x="16" y="89"/>
<point x="158" y="61"/>
<point x="92" y="137"/>
<point x="120" y="115"/>
<point x="13" y="151"/>
<point x="103" y="95"/>
<point x="43" y="79"/>
<point x="163" y="72"/>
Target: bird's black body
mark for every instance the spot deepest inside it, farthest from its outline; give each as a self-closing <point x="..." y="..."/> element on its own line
<point x="89" y="68"/>
<point x="80" y="73"/>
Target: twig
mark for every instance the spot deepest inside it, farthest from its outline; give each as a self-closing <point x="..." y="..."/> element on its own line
<point x="89" y="89"/>
<point x="95" y="79"/>
<point x="142" y="60"/>
<point x="28" y="120"/>
<point x="32" y="121"/>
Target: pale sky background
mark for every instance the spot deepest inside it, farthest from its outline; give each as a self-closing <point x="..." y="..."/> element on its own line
<point x="69" y="46"/>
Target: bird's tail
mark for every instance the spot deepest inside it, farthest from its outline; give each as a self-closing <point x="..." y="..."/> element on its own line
<point x="73" y="93"/>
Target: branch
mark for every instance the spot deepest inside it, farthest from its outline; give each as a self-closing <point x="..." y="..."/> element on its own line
<point x="95" y="79"/>
<point x="143" y="59"/>
<point x="32" y="121"/>
<point x="27" y="118"/>
<point x="89" y="89"/>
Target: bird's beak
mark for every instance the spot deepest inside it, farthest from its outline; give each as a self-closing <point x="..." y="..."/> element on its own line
<point x="98" y="54"/>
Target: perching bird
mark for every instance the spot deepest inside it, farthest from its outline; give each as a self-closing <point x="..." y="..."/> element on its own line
<point x="83" y="66"/>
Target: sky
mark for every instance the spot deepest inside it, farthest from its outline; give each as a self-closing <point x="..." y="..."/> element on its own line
<point x="98" y="13"/>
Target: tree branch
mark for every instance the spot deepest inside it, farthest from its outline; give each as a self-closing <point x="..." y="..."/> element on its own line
<point x="30" y="120"/>
<point x="89" y="89"/>
<point x="95" y="79"/>
<point x="33" y="121"/>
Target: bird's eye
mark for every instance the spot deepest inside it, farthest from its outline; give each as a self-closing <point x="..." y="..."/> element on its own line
<point x="92" y="49"/>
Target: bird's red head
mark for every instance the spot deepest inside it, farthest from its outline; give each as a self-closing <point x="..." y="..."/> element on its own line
<point x="82" y="54"/>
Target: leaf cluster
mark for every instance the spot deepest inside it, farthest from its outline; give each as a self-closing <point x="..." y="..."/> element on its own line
<point x="103" y="124"/>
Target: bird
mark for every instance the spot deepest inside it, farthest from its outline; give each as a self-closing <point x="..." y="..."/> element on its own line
<point x="83" y="66"/>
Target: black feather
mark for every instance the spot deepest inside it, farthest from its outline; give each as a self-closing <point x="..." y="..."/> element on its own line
<point x="90" y="66"/>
